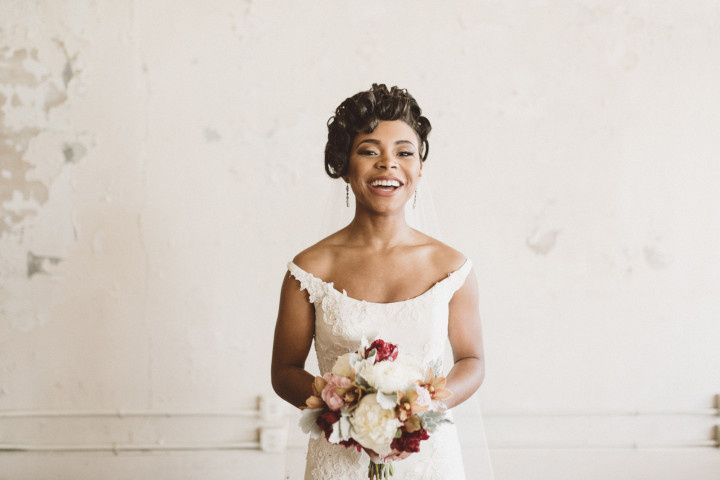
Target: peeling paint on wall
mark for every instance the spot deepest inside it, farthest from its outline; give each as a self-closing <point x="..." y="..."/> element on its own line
<point x="74" y="151"/>
<point x="37" y="74"/>
<point x="39" y="263"/>
<point x="29" y="90"/>
<point x="542" y="242"/>
<point x="654" y="257"/>
<point x="211" y="135"/>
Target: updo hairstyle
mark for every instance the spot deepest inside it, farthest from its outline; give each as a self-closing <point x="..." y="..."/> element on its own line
<point x="361" y="113"/>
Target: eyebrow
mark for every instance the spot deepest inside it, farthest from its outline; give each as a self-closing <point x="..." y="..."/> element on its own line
<point x="377" y="142"/>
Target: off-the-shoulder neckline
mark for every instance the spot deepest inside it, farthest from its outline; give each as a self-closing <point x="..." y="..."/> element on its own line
<point x="415" y="298"/>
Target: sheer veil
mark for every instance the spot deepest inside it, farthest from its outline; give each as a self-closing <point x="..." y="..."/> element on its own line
<point x="424" y="217"/>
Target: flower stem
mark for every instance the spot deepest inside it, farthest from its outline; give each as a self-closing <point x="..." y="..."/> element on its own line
<point x="380" y="471"/>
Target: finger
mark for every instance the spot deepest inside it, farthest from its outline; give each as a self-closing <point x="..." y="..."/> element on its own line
<point x="399" y="456"/>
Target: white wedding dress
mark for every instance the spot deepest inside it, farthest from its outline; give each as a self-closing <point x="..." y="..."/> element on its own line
<point x="419" y="326"/>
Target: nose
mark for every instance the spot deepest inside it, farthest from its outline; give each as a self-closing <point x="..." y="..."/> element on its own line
<point x="385" y="161"/>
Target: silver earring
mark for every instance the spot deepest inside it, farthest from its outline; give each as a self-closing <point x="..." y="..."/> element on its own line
<point x="347" y="195"/>
<point x="415" y="198"/>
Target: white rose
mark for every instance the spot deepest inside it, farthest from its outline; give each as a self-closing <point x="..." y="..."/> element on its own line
<point x="342" y="366"/>
<point x="366" y="369"/>
<point x="373" y="426"/>
<point x="391" y="377"/>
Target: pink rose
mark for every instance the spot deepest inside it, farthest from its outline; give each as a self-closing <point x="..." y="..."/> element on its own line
<point x="330" y="394"/>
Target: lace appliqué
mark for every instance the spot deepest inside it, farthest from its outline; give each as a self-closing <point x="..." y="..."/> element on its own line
<point x="439" y="459"/>
<point x="327" y="461"/>
<point x="315" y="287"/>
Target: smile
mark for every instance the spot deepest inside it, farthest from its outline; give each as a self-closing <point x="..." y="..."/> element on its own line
<point x="384" y="191"/>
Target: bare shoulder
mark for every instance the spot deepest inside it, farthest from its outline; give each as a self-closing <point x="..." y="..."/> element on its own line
<point x="443" y="255"/>
<point x="317" y="258"/>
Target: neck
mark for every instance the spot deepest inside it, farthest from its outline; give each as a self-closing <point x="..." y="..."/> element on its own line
<point x="378" y="232"/>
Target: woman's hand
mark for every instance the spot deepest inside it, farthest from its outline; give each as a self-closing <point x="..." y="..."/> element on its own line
<point x="396" y="455"/>
<point x="391" y="457"/>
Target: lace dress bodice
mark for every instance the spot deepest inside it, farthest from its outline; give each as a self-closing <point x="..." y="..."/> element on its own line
<point x="419" y="326"/>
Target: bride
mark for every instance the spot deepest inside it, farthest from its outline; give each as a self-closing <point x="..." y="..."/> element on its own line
<point x="379" y="277"/>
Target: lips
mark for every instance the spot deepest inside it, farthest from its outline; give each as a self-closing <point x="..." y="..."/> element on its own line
<point x="384" y="191"/>
<point x="386" y="178"/>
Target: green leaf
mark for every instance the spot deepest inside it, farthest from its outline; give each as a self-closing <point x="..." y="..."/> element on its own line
<point x="431" y="420"/>
<point x="308" y="420"/>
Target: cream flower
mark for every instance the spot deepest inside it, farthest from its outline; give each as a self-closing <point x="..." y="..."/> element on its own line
<point x="424" y="399"/>
<point x="373" y="426"/>
<point x="342" y="366"/>
<point x="391" y="377"/>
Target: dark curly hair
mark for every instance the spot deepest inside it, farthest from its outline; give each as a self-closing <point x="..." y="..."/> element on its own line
<point x="361" y="113"/>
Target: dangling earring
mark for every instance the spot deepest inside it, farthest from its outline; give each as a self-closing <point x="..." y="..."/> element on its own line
<point x="347" y="195"/>
<point x="415" y="198"/>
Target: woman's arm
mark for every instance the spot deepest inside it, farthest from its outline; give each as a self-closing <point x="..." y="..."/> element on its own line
<point x="465" y="334"/>
<point x="293" y="338"/>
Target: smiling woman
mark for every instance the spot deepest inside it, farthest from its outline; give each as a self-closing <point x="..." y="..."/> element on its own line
<point x="361" y="113"/>
<point x="379" y="277"/>
<point x="357" y="130"/>
<point x="404" y="168"/>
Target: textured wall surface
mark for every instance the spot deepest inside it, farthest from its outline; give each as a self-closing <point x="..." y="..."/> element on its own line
<point x="160" y="163"/>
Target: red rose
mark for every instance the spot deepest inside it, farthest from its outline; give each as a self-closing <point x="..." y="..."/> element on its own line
<point x="351" y="443"/>
<point x="384" y="350"/>
<point x="325" y="421"/>
<point x="409" y="441"/>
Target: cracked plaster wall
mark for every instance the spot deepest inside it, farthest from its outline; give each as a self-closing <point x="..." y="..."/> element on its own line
<point x="158" y="162"/>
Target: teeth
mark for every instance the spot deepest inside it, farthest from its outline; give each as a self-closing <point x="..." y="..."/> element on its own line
<point x="386" y="183"/>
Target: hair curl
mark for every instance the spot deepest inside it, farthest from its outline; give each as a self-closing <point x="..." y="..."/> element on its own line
<point x="361" y="113"/>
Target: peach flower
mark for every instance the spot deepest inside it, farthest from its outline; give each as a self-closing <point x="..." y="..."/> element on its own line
<point x="334" y="390"/>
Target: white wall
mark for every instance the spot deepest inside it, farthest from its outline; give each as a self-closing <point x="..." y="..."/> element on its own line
<point x="159" y="166"/>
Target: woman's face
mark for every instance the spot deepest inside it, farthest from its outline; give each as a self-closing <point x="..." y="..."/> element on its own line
<point x="391" y="150"/>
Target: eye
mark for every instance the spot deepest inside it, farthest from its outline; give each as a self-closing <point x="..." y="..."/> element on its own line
<point x="365" y="152"/>
<point x="407" y="154"/>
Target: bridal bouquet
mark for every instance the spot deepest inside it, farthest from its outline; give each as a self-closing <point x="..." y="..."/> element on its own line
<point x="376" y="399"/>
